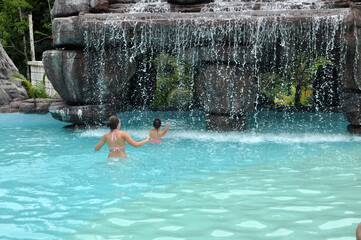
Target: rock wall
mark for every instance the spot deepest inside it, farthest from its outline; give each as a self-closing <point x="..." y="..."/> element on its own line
<point x="351" y="100"/>
<point x="13" y="97"/>
<point x="10" y="92"/>
<point x="105" y="44"/>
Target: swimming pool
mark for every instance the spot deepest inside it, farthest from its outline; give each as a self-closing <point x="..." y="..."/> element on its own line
<point x="289" y="176"/>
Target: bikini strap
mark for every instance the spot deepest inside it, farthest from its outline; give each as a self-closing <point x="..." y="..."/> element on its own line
<point x="114" y="136"/>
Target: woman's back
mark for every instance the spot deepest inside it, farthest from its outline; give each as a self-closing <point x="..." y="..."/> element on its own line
<point x="116" y="143"/>
<point x="116" y="139"/>
<point x="156" y="133"/>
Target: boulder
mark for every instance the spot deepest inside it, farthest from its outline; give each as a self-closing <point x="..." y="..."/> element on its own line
<point x="66" y="32"/>
<point x="35" y="106"/>
<point x="352" y="111"/>
<point x="215" y="122"/>
<point x="27" y="106"/>
<point x="222" y="89"/>
<point x="79" y="83"/>
<point x="65" y="70"/>
<point x="80" y="115"/>
<point x="9" y="91"/>
<point x="64" y="8"/>
<point x="354" y="129"/>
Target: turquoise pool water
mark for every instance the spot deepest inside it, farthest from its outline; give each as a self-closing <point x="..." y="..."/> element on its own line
<point x="289" y="176"/>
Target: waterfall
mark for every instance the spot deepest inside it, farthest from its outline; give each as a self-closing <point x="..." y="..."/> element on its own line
<point x="233" y="48"/>
<point x="225" y="57"/>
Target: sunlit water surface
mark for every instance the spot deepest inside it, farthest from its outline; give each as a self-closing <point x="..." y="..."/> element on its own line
<point x="289" y="176"/>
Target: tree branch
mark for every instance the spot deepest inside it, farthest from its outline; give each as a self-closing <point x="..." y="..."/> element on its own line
<point x="13" y="45"/>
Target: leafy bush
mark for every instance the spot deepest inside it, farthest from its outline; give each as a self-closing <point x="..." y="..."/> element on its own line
<point x="174" y="80"/>
<point x="180" y="97"/>
<point x="37" y="91"/>
<point x="294" y="86"/>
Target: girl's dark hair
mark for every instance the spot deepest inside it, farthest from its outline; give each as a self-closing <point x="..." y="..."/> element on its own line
<point x="157" y="123"/>
<point x="113" y="122"/>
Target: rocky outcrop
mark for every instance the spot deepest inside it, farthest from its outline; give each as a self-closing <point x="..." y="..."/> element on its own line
<point x="64" y="8"/>
<point x="9" y="91"/>
<point x="76" y="85"/>
<point x="13" y="97"/>
<point x="80" y="115"/>
<point x="352" y="111"/>
<point x="32" y="106"/>
<point x="105" y="48"/>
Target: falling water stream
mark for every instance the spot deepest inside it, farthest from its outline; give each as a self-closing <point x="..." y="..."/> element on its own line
<point x="233" y="44"/>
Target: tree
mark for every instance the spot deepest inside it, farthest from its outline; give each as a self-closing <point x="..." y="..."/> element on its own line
<point x="294" y="86"/>
<point x="174" y="81"/>
<point x="14" y="29"/>
<point x="42" y="25"/>
<point x="302" y="72"/>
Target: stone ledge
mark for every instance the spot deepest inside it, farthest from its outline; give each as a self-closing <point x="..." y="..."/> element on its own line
<point x="82" y="115"/>
<point x="65" y="8"/>
<point x="31" y="106"/>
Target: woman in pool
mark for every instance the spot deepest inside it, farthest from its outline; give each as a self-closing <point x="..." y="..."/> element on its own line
<point x="116" y="140"/>
<point x="156" y="134"/>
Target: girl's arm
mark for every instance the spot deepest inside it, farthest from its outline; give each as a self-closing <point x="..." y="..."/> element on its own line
<point x="100" y="144"/>
<point x="165" y="129"/>
<point x="134" y="143"/>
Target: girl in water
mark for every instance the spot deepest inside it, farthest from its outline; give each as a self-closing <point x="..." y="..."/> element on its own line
<point x="116" y="140"/>
<point x="156" y="134"/>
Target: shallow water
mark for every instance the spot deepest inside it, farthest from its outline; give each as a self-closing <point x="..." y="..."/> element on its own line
<point x="289" y="176"/>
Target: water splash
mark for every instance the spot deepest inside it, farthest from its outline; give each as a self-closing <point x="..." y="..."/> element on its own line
<point x="232" y="46"/>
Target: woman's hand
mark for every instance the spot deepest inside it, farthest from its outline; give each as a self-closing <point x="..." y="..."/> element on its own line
<point x="147" y="138"/>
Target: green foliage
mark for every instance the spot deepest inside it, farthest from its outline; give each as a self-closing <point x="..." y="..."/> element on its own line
<point x="180" y="97"/>
<point x="13" y="29"/>
<point x="17" y="77"/>
<point x="37" y="91"/>
<point x="174" y="81"/>
<point x="294" y="87"/>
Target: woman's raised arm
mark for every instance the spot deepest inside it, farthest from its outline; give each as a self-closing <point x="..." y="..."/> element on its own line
<point x="134" y="143"/>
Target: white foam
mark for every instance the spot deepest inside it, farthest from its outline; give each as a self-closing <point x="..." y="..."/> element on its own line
<point x="221" y="233"/>
<point x="252" y="224"/>
<point x="240" y="137"/>
<point x="121" y="222"/>
<point x="339" y="223"/>
<point x="279" y="233"/>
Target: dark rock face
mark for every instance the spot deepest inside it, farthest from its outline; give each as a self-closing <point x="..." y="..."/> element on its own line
<point x="77" y="85"/>
<point x="226" y="122"/>
<point x="352" y="108"/>
<point x="108" y="46"/>
<point x="226" y="91"/>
